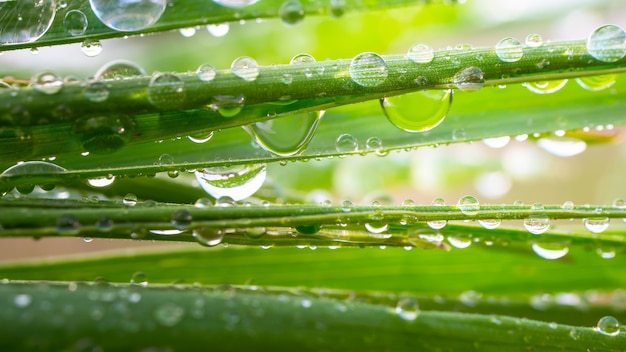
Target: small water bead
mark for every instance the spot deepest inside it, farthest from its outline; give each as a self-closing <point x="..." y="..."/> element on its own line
<point x="534" y="40"/>
<point x="187" y="32"/>
<point x="417" y="112"/>
<point x="246" y="68"/>
<point x="75" y="23"/>
<point x="490" y="223"/>
<point x="206" y="73"/>
<point x="509" y="50"/>
<point x="104" y="134"/>
<point x="235" y="3"/>
<point x="286" y="136"/>
<point x="91" y="48"/>
<point x="469" y="79"/>
<point x="96" y="92"/>
<point x="200" y="137"/>
<point x="545" y="87"/>
<point x="596" y="83"/>
<point x="25" y="21"/>
<point x="375" y="144"/>
<point x="568" y="205"/>
<point x="218" y="30"/>
<point x="291" y="12"/>
<point x="606" y="253"/>
<point x="421" y="53"/>
<point x="228" y="105"/>
<point x="208" y="236"/>
<point x="407" y="309"/>
<point x="47" y="82"/>
<point x="237" y="182"/>
<point x="68" y="225"/>
<point x="607" y="43"/>
<point x="22" y="300"/>
<point x="497" y="142"/>
<point x="596" y="225"/>
<point x="608" y="326"/>
<point x="550" y="250"/>
<point x="376" y="227"/>
<point x="128" y="16"/>
<point x="119" y="69"/>
<point x="101" y="181"/>
<point x="468" y="205"/>
<point x="181" y="219"/>
<point x="562" y="146"/>
<point x="459" y="241"/>
<point x="166" y="90"/>
<point x="203" y="203"/>
<point x="104" y="224"/>
<point x="437" y="224"/>
<point x="537" y="223"/>
<point x="129" y="200"/>
<point x="346" y="143"/>
<point x="368" y="69"/>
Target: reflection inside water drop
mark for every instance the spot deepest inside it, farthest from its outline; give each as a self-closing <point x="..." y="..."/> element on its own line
<point x="237" y="182"/>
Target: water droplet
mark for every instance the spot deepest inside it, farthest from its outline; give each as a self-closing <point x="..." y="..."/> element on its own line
<point x="104" y="224"/>
<point x="437" y="224"/>
<point x="96" y="92"/>
<point x="139" y="278"/>
<point x="201" y="137"/>
<point x="537" y="223"/>
<point x="224" y="202"/>
<point x="497" y="142"/>
<point x="47" y="82"/>
<point x="490" y="223"/>
<point x="203" y="203"/>
<point x="608" y="326"/>
<point x="235" y="3"/>
<point x="468" y="205"/>
<point x="596" y="225"/>
<point x="75" y="22"/>
<point x="470" y="298"/>
<point x="606" y="253"/>
<point x="562" y="146"/>
<point x="206" y="73"/>
<point x="228" y="105"/>
<point x="346" y="143"/>
<point x="237" y="182"/>
<point x="607" y="43"/>
<point x="87" y="239"/>
<point x="104" y="134"/>
<point x="25" y="21"/>
<point x="376" y="144"/>
<point x="218" y="30"/>
<point x="101" y="181"/>
<point x="68" y="225"/>
<point x="31" y="168"/>
<point x="286" y="136"/>
<point x="421" y="53"/>
<point x="128" y="16"/>
<point x="596" y="83"/>
<point x="245" y="67"/>
<point x="368" y="69"/>
<point x="91" y="48"/>
<point x="166" y="90"/>
<point x="407" y="309"/>
<point x="169" y="314"/>
<point x="534" y="40"/>
<point x="469" y="79"/>
<point x="550" y="250"/>
<point x="187" y="32"/>
<point x="181" y="219"/>
<point x="119" y="69"/>
<point x="208" y="236"/>
<point x="291" y="12"/>
<point x="22" y="300"/>
<point x="376" y="227"/>
<point x="417" y="112"/>
<point x="568" y="205"/>
<point x="459" y="241"/>
<point x="509" y="50"/>
<point x="545" y="87"/>
<point x="129" y="200"/>
<point x="459" y="135"/>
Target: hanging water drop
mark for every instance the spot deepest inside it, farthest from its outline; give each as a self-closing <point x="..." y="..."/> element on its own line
<point x="407" y="309"/>
<point x="235" y="3"/>
<point x="608" y="326"/>
<point x="119" y="69"/>
<point x="346" y="143"/>
<point x="128" y="16"/>
<point x="228" y="105"/>
<point x="417" y="112"/>
<point x="368" y="69"/>
<point x="550" y="250"/>
<point x="562" y="146"/>
<point x="596" y="224"/>
<point x="469" y="79"/>
<point x="607" y="43"/>
<point x="206" y="73"/>
<point x="596" y="83"/>
<point x="218" y="30"/>
<point x="101" y="181"/>
<point x="509" y="50"/>
<point x="208" y="236"/>
<point x="534" y="40"/>
<point x="437" y="224"/>
<point x="237" y="182"/>
<point x="497" y="142"/>
<point x="291" y="12"/>
<point x="75" y="23"/>
<point x="459" y="241"/>
<point x="200" y="137"/>
<point x="166" y="91"/>
<point x="187" y="32"/>
<point x="91" y="48"/>
<point x="421" y="53"/>
<point x="47" y="82"/>
<point x="245" y="67"/>
<point x="490" y="224"/>
<point x="25" y="21"/>
<point x="468" y="205"/>
<point x="545" y="87"/>
<point x="537" y="223"/>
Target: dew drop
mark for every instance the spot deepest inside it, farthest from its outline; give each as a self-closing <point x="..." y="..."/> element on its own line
<point x="596" y="83"/>
<point x="468" y="205"/>
<point x="509" y="50"/>
<point x="286" y="136"/>
<point x="534" y="40"/>
<point x="606" y="253"/>
<point x="497" y="142"/>
<point x="129" y="200"/>
<point x="346" y="143"/>
<point x="607" y="43"/>
<point x="459" y="241"/>
<point x="91" y="48"/>
<point x="119" y="69"/>
<point x="181" y="219"/>
<point x="104" y="134"/>
<point x="208" y="236"/>
<point x="101" y="181"/>
<point x="224" y="202"/>
<point x="206" y="73"/>
<point x="200" y="137"/>
<point x="169" y="314"/>
<point x="417" y="112"/>
<point x="235" y="3"/>
<point x="407" y="309"/>
<point x="550" y="250"/>
<point x="545" y="87"/>
<point x="22" y="300"/>
<point x="246" y="68"/>
<point x="187" y="32"/>
<point x="128" y="16"/>
<point x="96" y="92"/>
<point x="104" y="224"/>
<point x="228" y="105"/>
<point x="421" y="53"/>
<point x="75" y="23"/>
<point x="568" y="205"/>
<point x="68" y="225"/>
<point x="47" y="82"/>
<point x="291" y="12"/>
<point x="139" y="278"/>
<point x="490" y="223"/>
<point x="537" y="223"/>
<point x="562" y="146"/>
<point x="596" y="225"/>
<point x="31" y="168"/>
<point x="437" y="224"/>
<point x="218" y="30"/>
<point x="469" y="79"/>
<point x="237" y="182"/>
<point x="203" y="203"/>
<point x="375" y="144"/>
<point x="368" y="69"/>
<point x="608" y="326"/>
<point x="376" y="227"/>
<point x="25" y="21"/>
<point x="166" y="90"/>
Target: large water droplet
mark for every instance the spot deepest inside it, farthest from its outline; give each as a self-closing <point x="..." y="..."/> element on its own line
<point x="119" y="69"/>
<point x="407" y="309"/>
<point x="75" y="22"/>
<point x="237" y="182"/>
<point x="437" y="224"/>
<point x="562" y="146"/>
<point x="421" y="53"/>
<point x="291" y="12"/>
<point x="537" y="223"/>
<point x="91" y="48"/>
<point x="24" y="21"/>
<point x="166" y="90"/>
<point x="368" y="69"/>
<point x="286" y="136"/>
<point x="550" y="250"/>
<point x="460" y="241"/>
<point x="608" y="326"/>
<point x="47" y="82"/>
<point x="596" y="83"/>
<point x="128" y="16"/>
<point x="417" y="112"/>
<point x="101" y="181"/>
<point x="545" y="87"/>
<point x="469" y="79"/>
<point x="509" y="50"/>
<point x="104" y="134"/>
<point x="607" y="43"/>
<point x="468" y="205"/>
<point x="245" y="67"/>
<point x="596" y="225"/>
<point x="235" y="3"/>
<point x="346" y="143"/>
<point x="208" y="236"/>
